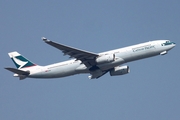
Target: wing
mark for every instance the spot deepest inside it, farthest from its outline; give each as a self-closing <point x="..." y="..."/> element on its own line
<point x="88" y="58"/>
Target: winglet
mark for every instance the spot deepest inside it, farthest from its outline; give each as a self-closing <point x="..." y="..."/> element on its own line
<point x="45" y="39"/>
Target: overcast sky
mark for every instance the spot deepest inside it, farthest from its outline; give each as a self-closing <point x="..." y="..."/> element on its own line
<point x="151" y="91"/>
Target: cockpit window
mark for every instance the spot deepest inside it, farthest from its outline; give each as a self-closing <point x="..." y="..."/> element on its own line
<point x="167" y="43"/>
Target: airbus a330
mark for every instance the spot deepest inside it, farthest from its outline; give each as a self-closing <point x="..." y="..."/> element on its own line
<point x="96" y="64"/>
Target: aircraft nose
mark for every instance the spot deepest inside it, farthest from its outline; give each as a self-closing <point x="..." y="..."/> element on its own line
<point x="173" y="44"/>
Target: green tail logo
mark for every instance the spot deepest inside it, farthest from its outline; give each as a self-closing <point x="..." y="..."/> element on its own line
<point x="20" y="61"/>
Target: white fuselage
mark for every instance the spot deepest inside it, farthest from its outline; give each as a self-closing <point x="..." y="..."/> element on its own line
<point x="122" y="55"/>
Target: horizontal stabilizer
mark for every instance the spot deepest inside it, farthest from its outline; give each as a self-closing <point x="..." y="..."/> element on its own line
<point x="19" y="72"/>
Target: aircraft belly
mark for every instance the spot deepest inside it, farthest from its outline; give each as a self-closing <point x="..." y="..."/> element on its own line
<point x="62" y="71"/>
<point x="56" y="71"/>
<point x="82" y="69"/>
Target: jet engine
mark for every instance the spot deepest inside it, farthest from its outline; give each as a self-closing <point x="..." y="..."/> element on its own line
<point x="120" y="70"/>
<point x="105" y="59"/>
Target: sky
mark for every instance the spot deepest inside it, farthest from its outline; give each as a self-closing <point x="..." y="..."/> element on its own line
<point x="149" y="92"/>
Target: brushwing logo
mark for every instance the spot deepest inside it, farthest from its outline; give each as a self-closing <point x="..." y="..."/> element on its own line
<point x="19" y="63"/>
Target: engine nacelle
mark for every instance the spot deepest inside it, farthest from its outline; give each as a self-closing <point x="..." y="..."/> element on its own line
<point x="105" y="59"/>
<point x="120" y="70"/>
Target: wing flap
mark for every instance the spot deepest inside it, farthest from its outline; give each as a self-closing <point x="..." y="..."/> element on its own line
<point x="96" y="74"/>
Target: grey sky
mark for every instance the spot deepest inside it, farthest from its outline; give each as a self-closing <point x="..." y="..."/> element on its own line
<point x="149" y="92"/>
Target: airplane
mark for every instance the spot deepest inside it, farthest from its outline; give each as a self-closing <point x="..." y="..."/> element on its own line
<point x="97" y="64"/>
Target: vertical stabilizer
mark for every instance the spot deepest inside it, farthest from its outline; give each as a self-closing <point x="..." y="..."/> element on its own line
<point x="20" y="61"/>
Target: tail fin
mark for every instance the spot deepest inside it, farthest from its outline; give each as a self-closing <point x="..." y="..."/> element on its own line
<point x="19" y="60"/>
